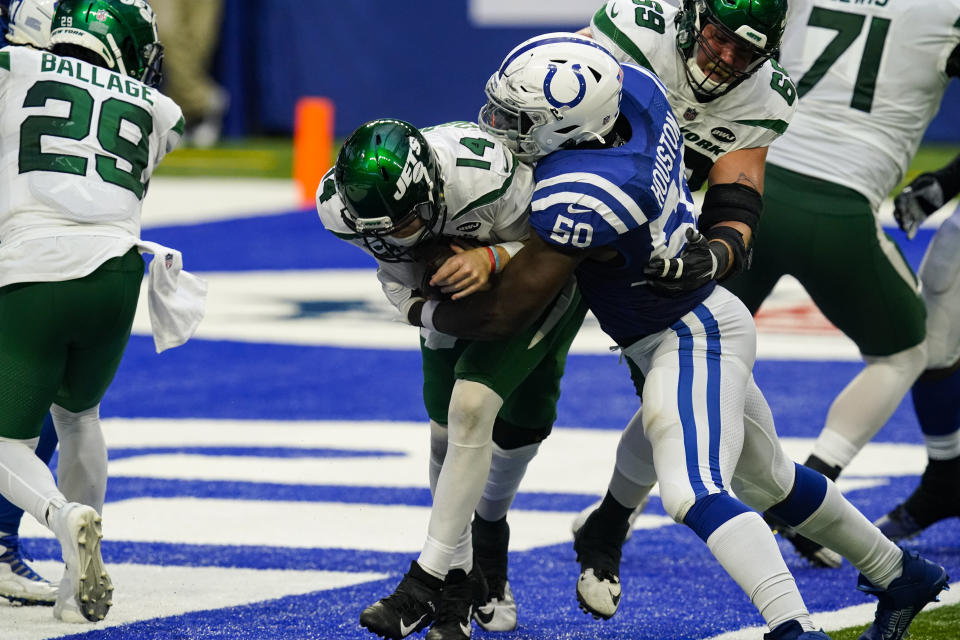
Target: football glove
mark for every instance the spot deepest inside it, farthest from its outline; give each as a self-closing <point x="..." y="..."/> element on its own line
<point x="918" y="200"/>
<point x="700" y="262"/>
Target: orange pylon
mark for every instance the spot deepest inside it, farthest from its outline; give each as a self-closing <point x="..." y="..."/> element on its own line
<point x="312" y="144"/>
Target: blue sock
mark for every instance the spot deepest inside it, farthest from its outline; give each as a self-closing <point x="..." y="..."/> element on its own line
<point x="808" y="493"/>
<point x="11" y="514"/>
<point x="937" y="403"/>
<point x="711" y="511"/>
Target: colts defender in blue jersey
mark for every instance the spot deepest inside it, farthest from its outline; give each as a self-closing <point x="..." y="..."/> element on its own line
<point x="611" y="207"/>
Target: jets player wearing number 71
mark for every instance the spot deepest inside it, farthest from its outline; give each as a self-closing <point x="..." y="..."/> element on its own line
<point x="870" y="77"/>
<point x="83" y="129"/>
<point x="618" y="163"/>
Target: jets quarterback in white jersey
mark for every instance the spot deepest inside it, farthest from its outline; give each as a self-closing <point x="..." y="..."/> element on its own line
<point x="403" y="196"/>
<point x="748" y="111"/>
<point x="486" y="192"/>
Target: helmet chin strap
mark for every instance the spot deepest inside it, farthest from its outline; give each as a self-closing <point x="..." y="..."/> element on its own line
<point x="701" y="78"/>
<point x="117" y="57"/>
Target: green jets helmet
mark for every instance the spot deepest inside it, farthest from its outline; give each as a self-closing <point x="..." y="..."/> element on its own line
<point x="388" y="178"/>
<point x="120" y="33"/>
<point x="752" y="28"/>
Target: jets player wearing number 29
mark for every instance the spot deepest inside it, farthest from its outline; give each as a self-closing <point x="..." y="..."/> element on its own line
<point x="870" y="77"/>
<point x="611" y="205"/>
<point x="27" y="23"/>
<point x="83" y="128"/>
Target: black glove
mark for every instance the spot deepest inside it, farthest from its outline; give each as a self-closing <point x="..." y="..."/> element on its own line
<point x="700" y="262"/>
<point x="918" y="200"/>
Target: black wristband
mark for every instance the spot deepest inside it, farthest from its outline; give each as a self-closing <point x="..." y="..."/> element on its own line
<point x="413" y="314"/>
<point x="949" y="179"/>
<point x="730" y="202"/>
<point x="740" y="258"/>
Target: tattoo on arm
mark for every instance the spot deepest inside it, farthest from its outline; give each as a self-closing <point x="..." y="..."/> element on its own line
<point x="744" y="179"/>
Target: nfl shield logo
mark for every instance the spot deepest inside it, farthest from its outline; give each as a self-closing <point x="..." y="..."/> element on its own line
<point x="168" y="260"/>
<point x="690" y="113"/>
<point x="102" y="15"/>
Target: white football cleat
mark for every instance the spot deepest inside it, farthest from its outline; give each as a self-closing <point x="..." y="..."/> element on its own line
<point x="582" y="516"/>
<point x="18" y="582"/>
<point x="599" y="595"/>
<point x="85" y="591"/>
<point x="499" y="612"/>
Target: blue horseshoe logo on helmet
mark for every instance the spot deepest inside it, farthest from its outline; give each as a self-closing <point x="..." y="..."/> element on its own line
<point x="577" y="99"/>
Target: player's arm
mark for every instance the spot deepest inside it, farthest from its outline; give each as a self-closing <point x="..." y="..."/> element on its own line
<point x="929" y="191"/>
<point x="728" y="218"/>
<point x="531" y="281"/>
<point x="470" y="270"/>
<point x="401" y="296"/>
<point x="733" y="205"/>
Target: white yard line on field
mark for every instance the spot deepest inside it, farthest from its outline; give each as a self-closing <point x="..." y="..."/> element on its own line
<point x="841" y="619"/>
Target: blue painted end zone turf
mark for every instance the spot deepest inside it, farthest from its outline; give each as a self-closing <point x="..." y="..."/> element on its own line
<point x="239" y="380"/>
<point x="297" y="240"/>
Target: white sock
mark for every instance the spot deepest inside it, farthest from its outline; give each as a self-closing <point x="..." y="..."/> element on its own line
<point x="748" y="552"/>
<point x="943" y="447"/>
<point x="25" y="480"/>
<point x="866" y="404"/>
<point x="839" y="526"/>
<point x="82" y="469"/>
<point x="438" y="449"/>
<point x="507" y="468"/>
<point x="463" y="554"/>
<point x="473" y="408"/>
<point x="634" y="474"/>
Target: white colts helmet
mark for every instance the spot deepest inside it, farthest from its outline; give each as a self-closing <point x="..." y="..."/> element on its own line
<point x="30" y="22"/>
<point x="552" y="91"/>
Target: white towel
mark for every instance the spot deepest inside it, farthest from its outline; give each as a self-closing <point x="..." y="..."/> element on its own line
<point x="177" y="298"/>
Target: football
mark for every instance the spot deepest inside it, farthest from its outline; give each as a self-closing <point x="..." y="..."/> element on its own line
<point x="432" y="254"/>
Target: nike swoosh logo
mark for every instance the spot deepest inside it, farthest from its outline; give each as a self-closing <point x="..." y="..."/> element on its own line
<point x="465" y="628"/>
<point x="613" y="12"/>
<point x="574" y="209"/>
<point x="407" y="629"/>
<point x="484" y="617"/>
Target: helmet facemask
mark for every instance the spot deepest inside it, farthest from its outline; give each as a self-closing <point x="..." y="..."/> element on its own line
<point x="717" y="57"/>
<point x="388" y="240"/>
<point x="552" y="92"/>
<point x="514" y="125"/>
<point x="392" y="189"/>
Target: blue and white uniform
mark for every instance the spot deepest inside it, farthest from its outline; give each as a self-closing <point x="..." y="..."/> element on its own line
<point x="629" y="204"/>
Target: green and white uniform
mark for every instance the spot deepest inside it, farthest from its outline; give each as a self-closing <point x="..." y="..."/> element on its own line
<point x="753" y="114"/>
<point x="77" y="146"/>
<point x="865" y="100"/>
<point x="487" y="193"/>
